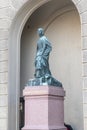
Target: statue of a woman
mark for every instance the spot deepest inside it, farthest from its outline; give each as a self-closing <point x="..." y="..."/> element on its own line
<point x="42" y="74"/>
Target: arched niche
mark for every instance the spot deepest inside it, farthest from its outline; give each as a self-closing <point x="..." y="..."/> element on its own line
<point x="34" y="14"/>
<point x="62" y="27"/>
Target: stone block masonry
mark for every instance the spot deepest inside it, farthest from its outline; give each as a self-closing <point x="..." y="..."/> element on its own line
<point x="8" y="9"/>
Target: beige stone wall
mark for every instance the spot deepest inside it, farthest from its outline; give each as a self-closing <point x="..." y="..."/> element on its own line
<point x="8" y="9"/>
<point x="4" y="26"/>
<point x="6" y="15"/>
<point x="83" y="14"/>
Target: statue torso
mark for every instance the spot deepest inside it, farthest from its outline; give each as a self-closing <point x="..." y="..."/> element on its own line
<point x="43" y="47"/>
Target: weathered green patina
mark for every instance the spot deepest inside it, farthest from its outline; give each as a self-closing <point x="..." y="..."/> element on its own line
<point x="43" y="74"/>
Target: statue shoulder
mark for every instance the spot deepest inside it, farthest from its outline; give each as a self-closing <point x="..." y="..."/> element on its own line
<point x="46" y="41"/>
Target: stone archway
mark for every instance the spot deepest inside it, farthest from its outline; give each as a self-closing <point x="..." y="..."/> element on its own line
<point x="65" y="35"/>
<point x="14" y="63"/>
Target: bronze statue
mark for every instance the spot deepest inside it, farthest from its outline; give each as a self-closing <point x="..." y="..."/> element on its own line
<point x="42" y="74"/>
<point x="42" y="56"/>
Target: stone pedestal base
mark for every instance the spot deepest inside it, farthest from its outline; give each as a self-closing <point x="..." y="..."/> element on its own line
<point x="44" y="108"/>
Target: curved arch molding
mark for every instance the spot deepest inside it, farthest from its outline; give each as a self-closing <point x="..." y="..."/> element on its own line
<point x="22" y="15"/>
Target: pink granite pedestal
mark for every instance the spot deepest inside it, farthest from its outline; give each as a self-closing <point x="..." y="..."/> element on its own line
<point x="44" y="108"/>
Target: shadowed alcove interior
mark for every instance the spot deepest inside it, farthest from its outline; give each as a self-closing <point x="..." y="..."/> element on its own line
<point x="61" y="22"/>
